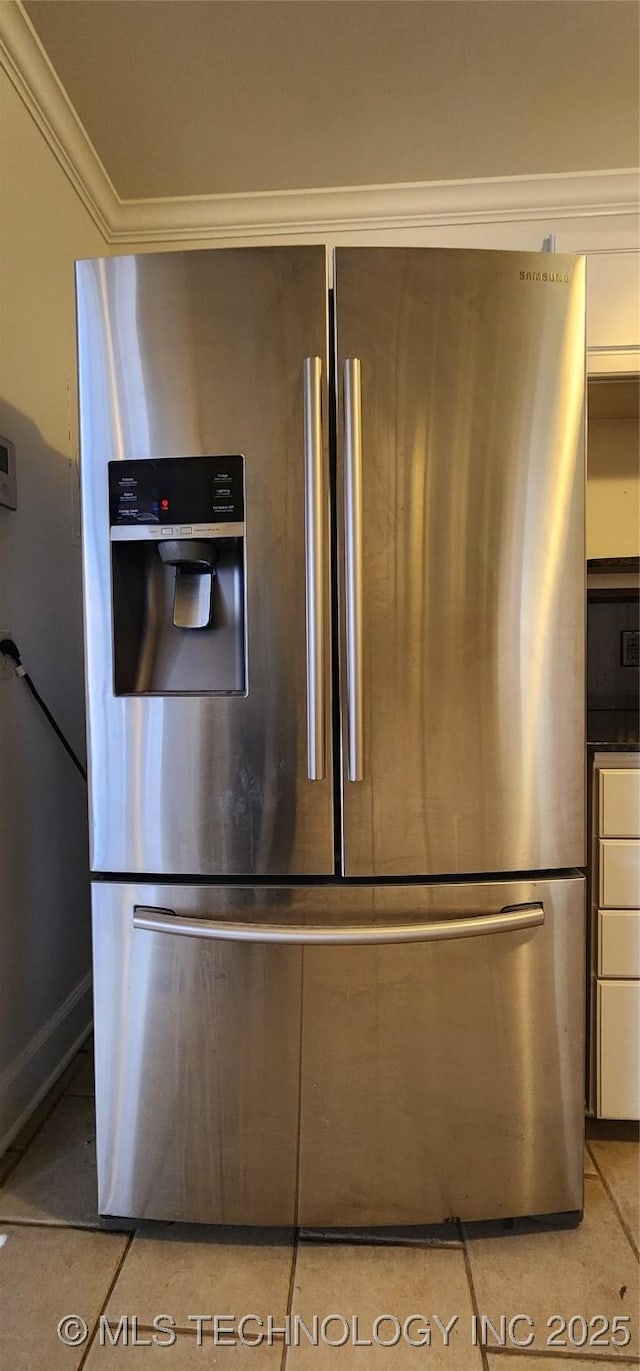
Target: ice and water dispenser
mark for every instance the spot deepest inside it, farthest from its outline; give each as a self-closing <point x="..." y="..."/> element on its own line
<point x="177" y="531"/>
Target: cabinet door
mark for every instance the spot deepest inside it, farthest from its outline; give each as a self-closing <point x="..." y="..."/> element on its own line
<point x="619" y="802"/>
<point x="613" y="316"/>
<point x="619" y="942"/>
<point x="618" y="1010"/>
<point x="619" y="870"/>
<point x="461" y="468"/>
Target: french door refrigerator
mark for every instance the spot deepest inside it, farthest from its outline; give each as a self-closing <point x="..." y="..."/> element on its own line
<point x="334" y="605"/>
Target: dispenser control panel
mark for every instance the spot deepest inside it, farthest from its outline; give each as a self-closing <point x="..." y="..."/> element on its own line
<point x="177" y="497"/>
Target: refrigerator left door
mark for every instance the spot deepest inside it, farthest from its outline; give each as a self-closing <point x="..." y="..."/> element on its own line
<point x="208" y="717"/>
<point x="197" y="1047"/>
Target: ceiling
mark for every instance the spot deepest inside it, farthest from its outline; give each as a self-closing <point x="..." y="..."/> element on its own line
<point x="192" y="97"/>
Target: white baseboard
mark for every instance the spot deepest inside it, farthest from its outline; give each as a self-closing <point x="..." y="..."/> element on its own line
<point x="31" y="1074"/>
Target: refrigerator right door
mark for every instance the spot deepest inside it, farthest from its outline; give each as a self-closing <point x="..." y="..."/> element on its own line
<point x="461" y="550"/>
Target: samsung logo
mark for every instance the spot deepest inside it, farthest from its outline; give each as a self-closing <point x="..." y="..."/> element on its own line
<point x="562" y="278"/>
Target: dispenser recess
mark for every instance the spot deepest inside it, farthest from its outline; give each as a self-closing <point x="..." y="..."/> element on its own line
<point x="177" y="533"/>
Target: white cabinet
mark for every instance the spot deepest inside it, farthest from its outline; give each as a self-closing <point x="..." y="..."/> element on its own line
<point x="619" y="802"/>
<point x="619" y="873"/>
<point x="619" y="1049"/>
<point x="613" y="313"/>
<point x="615" y="961"/>
<point x="613" y="484"/>
<point x="619" y="943"/>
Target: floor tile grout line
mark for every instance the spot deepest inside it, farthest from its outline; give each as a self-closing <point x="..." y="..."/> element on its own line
<point x="292" y="1271"/>
<point x="112" y="1284"/>
<point x="425" y="1244"/>
<point x="472" y="1292"/>
<point x="610" y="1195"/>
<point x="291" y="1292"/>
<point x="60" y="1225"/>
<point x="181" y="1331"/>
<point x="565" y="1357"/>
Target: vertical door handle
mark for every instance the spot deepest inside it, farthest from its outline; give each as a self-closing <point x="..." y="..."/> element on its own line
<point x="353" y="564"/>
<point x="314" y="566"/>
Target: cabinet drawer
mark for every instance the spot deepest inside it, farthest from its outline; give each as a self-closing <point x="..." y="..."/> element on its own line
<point x="619" y="942"/>
<point x="619" y="803"/>
<point x="618" y="1049"/>
<point x="619" y="883"/>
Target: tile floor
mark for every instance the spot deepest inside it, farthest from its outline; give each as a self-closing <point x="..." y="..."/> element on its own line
<point x="54" y="1261"/>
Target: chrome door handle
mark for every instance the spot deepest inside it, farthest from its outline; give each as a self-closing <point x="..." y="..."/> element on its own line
<point x="507" y="920"/>
<point x="314" y="565"/>
<point x="353" y="564"/>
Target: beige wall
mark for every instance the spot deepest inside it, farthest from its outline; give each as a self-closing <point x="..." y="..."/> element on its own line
<point x="613" y="488"/>
<point x="44" y="894"/>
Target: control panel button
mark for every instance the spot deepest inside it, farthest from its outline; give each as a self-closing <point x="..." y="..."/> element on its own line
<point x="186" y="528"/>
<point x="166" y="532"/>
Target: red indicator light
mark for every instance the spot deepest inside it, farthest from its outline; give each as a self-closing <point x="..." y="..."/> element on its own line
<point x="164" y="504"/>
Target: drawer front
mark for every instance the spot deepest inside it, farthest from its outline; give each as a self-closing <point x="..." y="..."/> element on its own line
<point x="619" y="942"/>
<point x="618" y="1049"/>
<point x="619" y="803"/>
<point x="619" y="883"/>
<point x="348" y="1084"/>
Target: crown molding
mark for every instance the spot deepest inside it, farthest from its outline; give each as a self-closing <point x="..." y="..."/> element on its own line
<point x="314" y="212"/>
<point x="473" y="201"/>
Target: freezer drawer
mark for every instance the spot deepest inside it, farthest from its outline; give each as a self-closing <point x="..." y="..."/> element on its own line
<point x="329" y="1055"/>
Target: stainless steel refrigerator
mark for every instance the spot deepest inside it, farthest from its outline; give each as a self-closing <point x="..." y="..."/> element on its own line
<point x="334" y="599"/>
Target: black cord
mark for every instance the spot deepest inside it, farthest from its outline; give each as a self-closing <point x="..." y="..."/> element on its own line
<point x="8" y="649"/>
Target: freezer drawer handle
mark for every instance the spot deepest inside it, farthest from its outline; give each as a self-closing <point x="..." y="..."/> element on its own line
<point x="508" y="920"/>
<point x="314" y="563"/>
<point x="353" y="564"/>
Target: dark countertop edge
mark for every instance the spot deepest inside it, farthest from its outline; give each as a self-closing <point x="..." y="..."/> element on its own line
<point x="613" y="564"/>
<point x="613" y="747"/>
